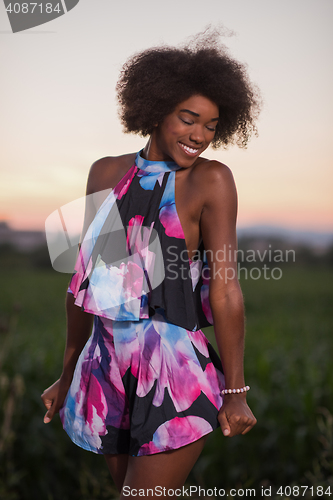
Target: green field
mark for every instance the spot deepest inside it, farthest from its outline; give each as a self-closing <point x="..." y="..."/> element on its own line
<point x="288" y="364"/>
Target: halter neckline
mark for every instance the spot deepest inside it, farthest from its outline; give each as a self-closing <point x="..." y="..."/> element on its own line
<point x="155" y="166"/>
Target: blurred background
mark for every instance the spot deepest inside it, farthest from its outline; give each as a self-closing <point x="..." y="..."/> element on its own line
<point x="59" y="115"/>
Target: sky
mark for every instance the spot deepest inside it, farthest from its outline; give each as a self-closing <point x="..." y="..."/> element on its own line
<point x="59" y="112"/>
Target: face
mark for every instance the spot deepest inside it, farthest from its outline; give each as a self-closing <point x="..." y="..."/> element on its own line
<point x="185" y="133"/>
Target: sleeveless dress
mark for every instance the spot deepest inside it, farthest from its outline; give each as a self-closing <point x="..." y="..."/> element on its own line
<point x="147" y="380"/>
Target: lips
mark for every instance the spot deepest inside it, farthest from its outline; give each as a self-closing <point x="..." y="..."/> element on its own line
<point x="188" y="150"/>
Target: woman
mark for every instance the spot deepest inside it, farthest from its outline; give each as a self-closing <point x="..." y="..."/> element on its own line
<point x="153" y="269"/>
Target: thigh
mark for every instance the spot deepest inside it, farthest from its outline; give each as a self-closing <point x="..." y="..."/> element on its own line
<point x="117" y="465"/>
<point x="167" y="470"/>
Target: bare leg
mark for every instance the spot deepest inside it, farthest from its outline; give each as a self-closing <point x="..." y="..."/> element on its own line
<point x="168" y="470"/>
<point x="117" y="465"/>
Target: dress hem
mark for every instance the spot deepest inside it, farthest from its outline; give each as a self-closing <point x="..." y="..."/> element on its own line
<point x="89" y="448"/>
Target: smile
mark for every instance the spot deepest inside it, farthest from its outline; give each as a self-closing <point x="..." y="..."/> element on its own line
<point x="188" y="150"/>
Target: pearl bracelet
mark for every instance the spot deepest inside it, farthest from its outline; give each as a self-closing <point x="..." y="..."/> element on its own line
<point x="236" y="391"/>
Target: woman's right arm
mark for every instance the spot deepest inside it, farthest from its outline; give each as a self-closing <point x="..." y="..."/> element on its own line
<point x="103" y="176"/>
<point x="79" y="324"/>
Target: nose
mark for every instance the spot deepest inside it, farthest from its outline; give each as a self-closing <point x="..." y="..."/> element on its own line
<point x="197" y="134"/>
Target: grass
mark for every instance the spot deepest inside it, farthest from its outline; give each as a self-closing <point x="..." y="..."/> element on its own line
<point x="287" y="364"/>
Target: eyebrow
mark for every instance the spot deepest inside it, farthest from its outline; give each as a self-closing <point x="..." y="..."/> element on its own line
<point x="196" y="114"/>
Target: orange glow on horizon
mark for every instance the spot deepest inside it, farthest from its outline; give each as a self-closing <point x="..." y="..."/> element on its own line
<point x="318" y="221"/>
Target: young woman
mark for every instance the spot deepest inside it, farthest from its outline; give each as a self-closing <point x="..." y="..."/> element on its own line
<point x="156" y="264"/>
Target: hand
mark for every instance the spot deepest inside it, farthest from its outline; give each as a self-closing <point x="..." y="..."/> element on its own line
<point x="235" y="416"/>
<point x="53" y="398"/>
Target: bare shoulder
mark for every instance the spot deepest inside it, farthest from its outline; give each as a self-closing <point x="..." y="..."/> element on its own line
<point x="214" y="178"/>
<point x="106" y="172"/>
<point x="212" y="170"/>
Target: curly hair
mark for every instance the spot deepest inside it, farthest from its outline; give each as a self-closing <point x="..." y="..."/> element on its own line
<point x="152" y="83"/>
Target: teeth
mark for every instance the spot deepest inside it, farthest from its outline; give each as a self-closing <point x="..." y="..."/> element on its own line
<point x="188" y="149"/>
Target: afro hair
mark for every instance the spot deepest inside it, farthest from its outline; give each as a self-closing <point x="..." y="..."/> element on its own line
<point x="153" y="82"/>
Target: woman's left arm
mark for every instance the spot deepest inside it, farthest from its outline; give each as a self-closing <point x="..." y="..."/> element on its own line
<point x="218" y="229"/>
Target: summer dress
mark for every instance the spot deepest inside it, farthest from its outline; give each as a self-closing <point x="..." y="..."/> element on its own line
<point x="147" y="380"/>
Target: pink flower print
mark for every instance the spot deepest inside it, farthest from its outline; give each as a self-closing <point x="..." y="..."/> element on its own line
<point x="123" y="185"/>
<point x="114" y="292"/>
<point x="215" y="383"/>
<point x="95" y="407"/>
<point x="75" y="283"/>
<point x="204" y="294"/>
<point x="199" y="341"/>
<point x="168" y="357"/>
<point x="138" y="244"/>
<point x="85" y="409"/>
<point x="175" y="433"/>
<point x="170" y="221"/>
<point x="126" y="342"/>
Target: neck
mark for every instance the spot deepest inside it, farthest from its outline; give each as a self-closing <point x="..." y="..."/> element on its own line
<point x="152" y="152"/>
<point x="146" y="150"/>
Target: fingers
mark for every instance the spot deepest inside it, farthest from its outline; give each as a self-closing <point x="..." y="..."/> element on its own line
<point x="49" y="414"/>
<point x="249" y="427"/>
<point x="236" y="419"/>
<point x="236" y="425"/>
<point x="49" y="398"/>
<point x="225" y="427"/>
<point x="47" y="418"/>
<point x="48" y="403"/>
<point x="239" y="425"/>
<point x="52" y="408"/>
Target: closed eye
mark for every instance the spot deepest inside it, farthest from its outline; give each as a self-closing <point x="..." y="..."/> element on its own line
<point x="185" y="121"/>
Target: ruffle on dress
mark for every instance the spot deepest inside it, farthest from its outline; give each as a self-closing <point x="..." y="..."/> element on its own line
<point x="133" y="258"/>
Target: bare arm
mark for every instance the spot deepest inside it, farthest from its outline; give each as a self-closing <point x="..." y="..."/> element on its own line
<point x="218" y="228"/>
<point x="79" y="323"/>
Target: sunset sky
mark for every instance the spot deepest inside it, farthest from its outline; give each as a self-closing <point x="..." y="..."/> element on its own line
<point x="59" y="114"/>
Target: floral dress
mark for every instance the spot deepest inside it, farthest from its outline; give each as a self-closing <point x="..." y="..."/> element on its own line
<point x="147" y="380"/>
